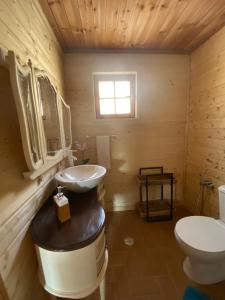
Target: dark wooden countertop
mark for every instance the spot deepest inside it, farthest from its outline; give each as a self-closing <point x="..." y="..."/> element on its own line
<point x="86" y="223"/>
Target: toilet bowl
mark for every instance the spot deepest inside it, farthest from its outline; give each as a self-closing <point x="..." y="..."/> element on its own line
<point x="202" y="239"/>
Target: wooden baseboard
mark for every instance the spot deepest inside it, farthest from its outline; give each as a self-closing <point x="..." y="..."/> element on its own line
<point x="109" y="206"/>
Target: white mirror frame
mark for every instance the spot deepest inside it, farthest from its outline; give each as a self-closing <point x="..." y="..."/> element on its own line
<point x="62" y="102"/>
<point x="59" y="153"/>
<point x="36" y="169"/>
<point x="14" y="69"/>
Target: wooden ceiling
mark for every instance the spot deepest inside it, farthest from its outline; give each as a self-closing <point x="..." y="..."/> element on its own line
<point x="164" y="25"/>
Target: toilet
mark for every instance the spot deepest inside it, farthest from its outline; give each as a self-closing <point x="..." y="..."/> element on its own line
<point x="202" y="239"/>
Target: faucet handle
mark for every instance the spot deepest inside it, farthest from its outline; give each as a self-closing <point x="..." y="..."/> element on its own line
<point x="59" y="188"/>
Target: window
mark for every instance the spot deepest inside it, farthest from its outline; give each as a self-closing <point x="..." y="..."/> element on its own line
<point x="115" y="95"/>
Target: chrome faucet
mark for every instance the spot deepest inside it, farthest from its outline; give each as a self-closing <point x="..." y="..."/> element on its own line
<point x="72" y="158"/>
<point x="207" y="182"/>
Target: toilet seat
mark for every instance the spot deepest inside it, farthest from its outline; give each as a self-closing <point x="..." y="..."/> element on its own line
<point x="202" y="233"/>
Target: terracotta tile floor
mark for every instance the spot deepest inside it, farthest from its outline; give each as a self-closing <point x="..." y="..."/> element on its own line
<point x="151" y="269"/>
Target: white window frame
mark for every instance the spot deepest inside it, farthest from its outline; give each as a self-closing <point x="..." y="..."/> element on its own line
<point x="121" y="76"/>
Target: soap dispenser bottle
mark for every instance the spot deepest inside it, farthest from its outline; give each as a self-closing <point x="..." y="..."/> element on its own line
<point x="62" y="205"/>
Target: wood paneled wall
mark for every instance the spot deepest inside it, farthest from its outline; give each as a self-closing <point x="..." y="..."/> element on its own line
<point x="156" y="137"/>
<point x="206" y="124"/>
<point x="24" y="29"/>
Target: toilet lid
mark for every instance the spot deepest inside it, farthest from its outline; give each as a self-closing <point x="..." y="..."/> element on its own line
<point x="202" y="233"/>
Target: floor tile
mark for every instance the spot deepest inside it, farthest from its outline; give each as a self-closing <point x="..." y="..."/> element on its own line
<point x="144" y="286"/>
<point x="151" y="269"/>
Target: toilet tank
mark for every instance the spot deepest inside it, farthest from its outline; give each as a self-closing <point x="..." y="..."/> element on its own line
<point x="222" y="202"/>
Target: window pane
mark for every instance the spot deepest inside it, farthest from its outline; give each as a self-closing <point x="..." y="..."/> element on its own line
<point x="122" y="89"/>
<point x="123" y="106"/>
<point x="107" y="106"/>
<point x="106" y="89"/>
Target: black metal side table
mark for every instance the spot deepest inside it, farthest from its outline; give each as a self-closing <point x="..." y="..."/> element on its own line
<point x="155" y="210"/>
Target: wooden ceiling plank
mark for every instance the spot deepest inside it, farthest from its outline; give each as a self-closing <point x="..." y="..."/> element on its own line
<point x="105" y="13"/>
<point x="98" y="22"/>
<point x="58" y="12"/>
<point x="87" y="13"/>
<point x="60" y="16"/>
<point x="94" y="23"/>
<point x="48" y="13"/>
<point x="95" y="29"/>
<point x="175" y="10"/>
<point x="105" y="20"/>
<point x="69" y="38"/>
<point x="117" y="11"/>
<point x="189" y="27"/>
<point x="121" y="25"/>
<point x="206" y="34"/>
<point x="80" y="7"/>
<point x="71" y="10"/>
<point x="197" y="25"/>
<point x="152" y="35"/>
<point x="128" y="24"/>
<point x="101" y="22"/>
<point x="214" y="23"/>
<point x="133" y="23"/>
<point x="147" y="33"/>
<point x="146" y="15"/>
<point x="113" y="23"/>
<point x="178" y="25"/>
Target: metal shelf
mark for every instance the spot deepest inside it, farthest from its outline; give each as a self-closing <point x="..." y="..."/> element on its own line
<point x="161" y="209"/>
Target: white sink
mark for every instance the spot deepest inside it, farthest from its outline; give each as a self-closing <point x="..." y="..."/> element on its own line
<point x="81" y="178"/>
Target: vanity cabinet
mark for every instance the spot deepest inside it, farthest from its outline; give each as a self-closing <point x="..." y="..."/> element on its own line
<point x="72" y="256"/>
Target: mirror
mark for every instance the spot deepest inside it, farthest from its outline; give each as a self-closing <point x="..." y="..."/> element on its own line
<point x="66" y="118"/>
<point x="49" y="115"/>
<point x="27" y="98"/>
<point x="21" y="82"/>
<point x="44" y="117"/>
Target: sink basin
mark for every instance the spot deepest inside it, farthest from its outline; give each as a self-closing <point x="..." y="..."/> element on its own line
<point x="81" y="178"/>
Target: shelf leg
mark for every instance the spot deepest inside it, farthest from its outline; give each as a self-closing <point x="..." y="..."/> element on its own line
<point x="140" y="190"/>
<point x="171" y="203"/>
<point x="102" y="289"/>
<point x="147" y="212"/>
<point x="162" y="192"/>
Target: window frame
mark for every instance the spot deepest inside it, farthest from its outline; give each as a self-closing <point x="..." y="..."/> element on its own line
<point x="131" y="77"/>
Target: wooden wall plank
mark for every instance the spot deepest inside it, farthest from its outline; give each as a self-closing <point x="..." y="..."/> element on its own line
<point x="25" y="30"/>
<point x="206" y="125"/>
<point x="31" y="39"/>
<point x="155" y="137"/>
